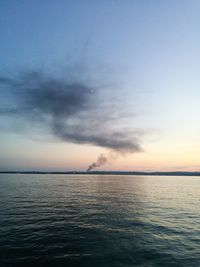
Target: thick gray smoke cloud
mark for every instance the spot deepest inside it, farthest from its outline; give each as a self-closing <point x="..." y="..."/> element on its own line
<point x="100" y="162"/>
<point x="70" y="110"/>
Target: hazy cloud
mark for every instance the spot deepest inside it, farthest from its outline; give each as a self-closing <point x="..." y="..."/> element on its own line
<point x="70" y="110"/>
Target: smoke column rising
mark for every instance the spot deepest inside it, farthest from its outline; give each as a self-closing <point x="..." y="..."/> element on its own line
<point x="68" y="109"/>
<point x="100" y="161"/>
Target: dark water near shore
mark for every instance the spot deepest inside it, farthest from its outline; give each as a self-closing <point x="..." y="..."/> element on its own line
<point x="63" y="220"/>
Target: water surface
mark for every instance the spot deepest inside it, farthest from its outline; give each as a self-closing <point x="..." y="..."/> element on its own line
<point x="99" y="220"/>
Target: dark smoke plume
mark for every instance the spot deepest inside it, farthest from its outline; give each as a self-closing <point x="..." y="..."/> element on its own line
<point x="70" y="110"/>
<point x="100" y="161"/>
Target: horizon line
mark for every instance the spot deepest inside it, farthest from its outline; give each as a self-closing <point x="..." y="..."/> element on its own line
<point x="156" y="173"/>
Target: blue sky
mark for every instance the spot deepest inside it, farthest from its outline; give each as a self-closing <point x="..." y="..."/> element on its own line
<point x="145" y="52"/>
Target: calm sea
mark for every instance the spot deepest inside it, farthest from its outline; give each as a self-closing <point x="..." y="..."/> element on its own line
<point x="80" y="220"/>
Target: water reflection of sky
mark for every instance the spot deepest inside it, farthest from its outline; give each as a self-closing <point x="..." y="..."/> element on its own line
<point x="99" y="220"/>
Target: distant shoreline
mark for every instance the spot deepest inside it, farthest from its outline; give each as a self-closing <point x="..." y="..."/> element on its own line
<point x="171" y="173"/>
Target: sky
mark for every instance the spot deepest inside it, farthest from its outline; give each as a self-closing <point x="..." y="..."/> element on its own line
<point x="82" y="79"/>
